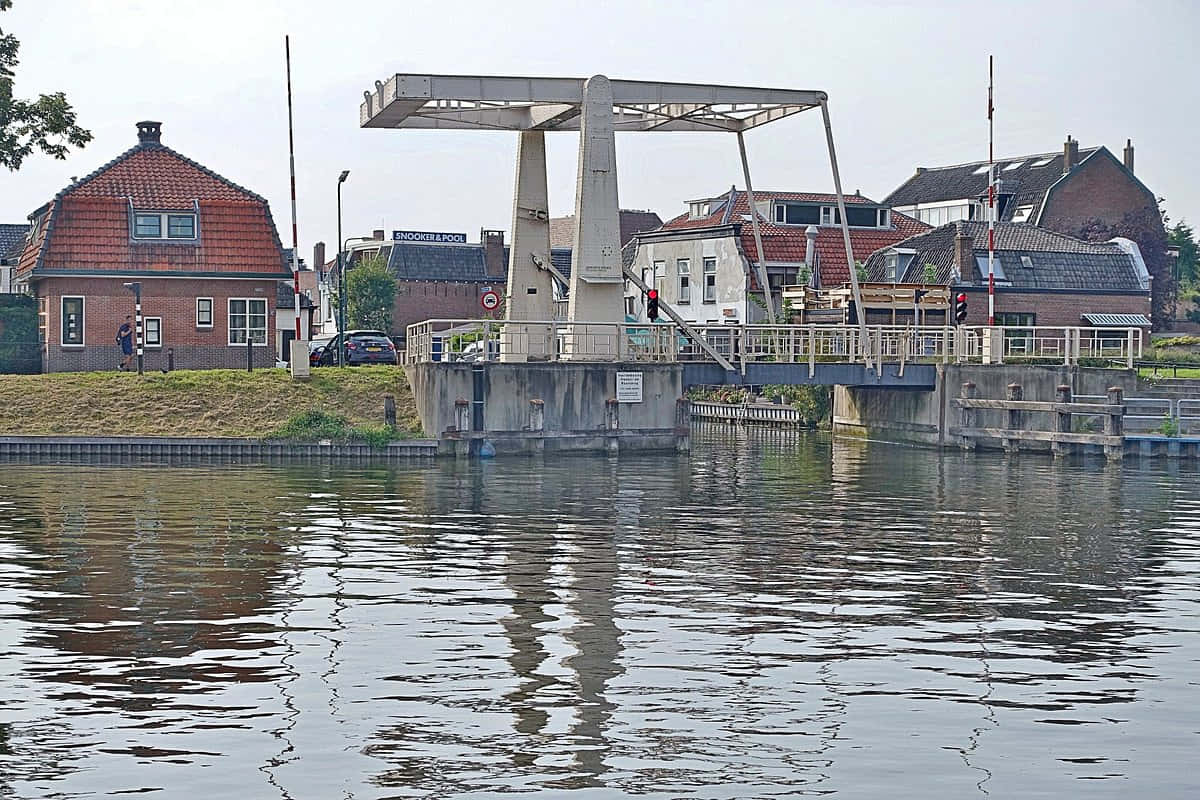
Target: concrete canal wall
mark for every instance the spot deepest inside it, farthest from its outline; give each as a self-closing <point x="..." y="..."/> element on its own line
<point x="552" y="406"/>
<point x="927" y="417"/>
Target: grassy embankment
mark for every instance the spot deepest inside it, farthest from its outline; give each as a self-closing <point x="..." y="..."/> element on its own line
<point x="340" y="404"/>
<point x="1181" y="353"/>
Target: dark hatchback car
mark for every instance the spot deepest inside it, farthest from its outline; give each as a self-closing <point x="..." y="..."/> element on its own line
<point x="362" y="347"/>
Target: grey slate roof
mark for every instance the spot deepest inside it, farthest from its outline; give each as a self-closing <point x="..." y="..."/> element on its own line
<point x="459" y="263"/>
<point x="1028" y="183"/>
<point x="1058" y="261"/>
<point x="12" y="240"/>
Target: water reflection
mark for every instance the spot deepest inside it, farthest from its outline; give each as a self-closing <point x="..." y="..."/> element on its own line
<point x="774" y="615"/>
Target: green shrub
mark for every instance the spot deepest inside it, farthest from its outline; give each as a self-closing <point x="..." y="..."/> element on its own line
<point x="1169" y="427"/>
<point x="315" y="425"/>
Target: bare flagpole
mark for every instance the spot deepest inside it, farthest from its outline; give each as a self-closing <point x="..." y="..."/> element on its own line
<point x="287" y="49"/>
<point x="991" y="209"/>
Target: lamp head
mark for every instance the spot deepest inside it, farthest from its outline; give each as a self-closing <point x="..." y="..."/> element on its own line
<point x="345" y="174"/>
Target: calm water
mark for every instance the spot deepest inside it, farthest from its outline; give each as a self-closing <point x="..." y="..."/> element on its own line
<point x="771" y="616"/>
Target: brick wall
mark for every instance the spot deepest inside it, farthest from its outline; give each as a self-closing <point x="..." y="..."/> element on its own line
<point x="1054" y="309"/>
<point x="1099" y="189"/>
<point x="107" y="301"/>
<point x="417" y="301"/>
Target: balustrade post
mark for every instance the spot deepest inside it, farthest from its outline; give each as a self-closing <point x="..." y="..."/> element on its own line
<point x="683" y="424"/>
<point x="967" y="416"/>
<point x="1129" y="349"/>
<point x="1062" y="395"/>
<point x="812" y="351"/>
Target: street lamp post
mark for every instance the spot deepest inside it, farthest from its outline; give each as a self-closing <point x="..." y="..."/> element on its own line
<point x="136" y="288"/>
<point x="341" y="274"/>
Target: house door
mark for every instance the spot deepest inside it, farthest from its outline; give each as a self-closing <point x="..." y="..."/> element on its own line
<point x="286" y="355"/>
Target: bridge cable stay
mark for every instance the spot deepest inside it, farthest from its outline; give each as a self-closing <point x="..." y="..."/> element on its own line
<point x="681" y="322"/>
<point x="855" y="290"/>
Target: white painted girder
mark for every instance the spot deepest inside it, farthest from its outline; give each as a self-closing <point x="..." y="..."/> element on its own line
<point x="466" y="102"/>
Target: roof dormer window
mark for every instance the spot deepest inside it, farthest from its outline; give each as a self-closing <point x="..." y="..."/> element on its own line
<point x="164" y="225"/>
<point x="697" y="209"/>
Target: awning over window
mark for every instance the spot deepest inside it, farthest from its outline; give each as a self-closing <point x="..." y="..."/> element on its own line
<point x="1117" y="320"/>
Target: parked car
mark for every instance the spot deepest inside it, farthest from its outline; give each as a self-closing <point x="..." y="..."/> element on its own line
<point x="315" y="348"/>
<point x="361" y="347"/>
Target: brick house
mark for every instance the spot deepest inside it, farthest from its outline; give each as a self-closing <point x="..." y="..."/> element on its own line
<point x="12" y="244"/>
<point x="443" y="280"/>
<point x="702" y="261"/>
<point x="1087" y="193"/>
<point x="204" y="249"/>
<point x="1043" y="278"/>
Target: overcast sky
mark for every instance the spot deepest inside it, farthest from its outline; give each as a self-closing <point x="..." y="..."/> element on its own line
<point x="907" y="85"/>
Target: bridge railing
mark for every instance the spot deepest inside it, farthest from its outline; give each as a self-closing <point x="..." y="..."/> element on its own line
<point x="552" y="340"/>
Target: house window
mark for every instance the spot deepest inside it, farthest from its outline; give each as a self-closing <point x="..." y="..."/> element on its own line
<point x="147" y="226"/>
<point x="247" y="317"/>
<point x="797" y="214"/>
<point x="204" y="312"/>
<point x="181" y="226"/>
<point x="826" y="215"/>
<point x="1022" y="213"/>
<point x="684" y="267"/>
<point x="710" y="280"/>
<point x="156" y="225"/>
<point x="72" y="321"/>
<point x="660" y="273"/>
<point x="1018" y="332"/>
<point x="885" y="217"/>
<point x="152" y="329"/>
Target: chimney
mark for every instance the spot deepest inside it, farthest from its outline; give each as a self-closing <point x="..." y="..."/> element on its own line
<point x="319" y="257"/>
<point x="1129" y="154"/>
<point x="964" y="251"/>
<point x="1070" y="154"/>
<point x="149" y="132"/>
<point x="493" y="253"/>
<point x="810" y="249"/>
<point x="377" y="234"/>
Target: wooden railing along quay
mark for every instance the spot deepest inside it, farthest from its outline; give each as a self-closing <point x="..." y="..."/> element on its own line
<point x="748" y="413"/>
<point x="1061" y="434"/>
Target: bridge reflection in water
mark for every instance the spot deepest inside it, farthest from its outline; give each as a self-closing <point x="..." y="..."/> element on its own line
<point x="774" y="614"/>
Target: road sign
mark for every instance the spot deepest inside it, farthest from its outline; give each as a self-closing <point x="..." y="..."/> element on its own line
<point x="489" y="300"/>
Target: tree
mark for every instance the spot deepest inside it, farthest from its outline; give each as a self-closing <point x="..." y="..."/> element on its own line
<point x="1187" y="266"/>
<point x="46" y="124"/>
<point x="370" y="294"/>
<point x="1145" y="228"/>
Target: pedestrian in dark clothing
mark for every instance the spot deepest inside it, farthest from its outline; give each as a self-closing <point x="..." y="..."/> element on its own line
<point x="125" y="339"/>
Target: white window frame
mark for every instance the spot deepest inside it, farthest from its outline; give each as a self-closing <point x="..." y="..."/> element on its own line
<point x="683" y="271"/>
<point x="211" y="312"/>
<point x="164" y="226"/>
<point x="660" y="274"/>
<point x="885" y="218"/>
<point x="146" y="332"/>
<point x="710" y="279"/>
<point x="229" y="320"/>
<point x="62" y="318"/>
<point x="826" y="215"/>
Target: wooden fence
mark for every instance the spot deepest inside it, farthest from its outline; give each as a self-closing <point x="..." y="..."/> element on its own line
<point x="1062" y="436"/>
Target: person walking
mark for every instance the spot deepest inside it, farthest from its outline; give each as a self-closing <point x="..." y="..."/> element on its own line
<point x="125" y="339"/>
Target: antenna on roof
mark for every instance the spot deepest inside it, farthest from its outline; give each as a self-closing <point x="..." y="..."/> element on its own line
<point x="991" y="208"/>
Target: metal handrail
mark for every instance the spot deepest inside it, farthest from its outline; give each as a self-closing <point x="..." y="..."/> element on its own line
<point x="490" y="340"/>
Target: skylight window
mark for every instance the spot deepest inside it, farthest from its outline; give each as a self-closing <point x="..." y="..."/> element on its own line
<point x="997" y="269"/>
<point x="1013" y="165"/>
<point x="981" y="171"/>
<point x="1041" y="162"/>
<point x="1022" y="214"/>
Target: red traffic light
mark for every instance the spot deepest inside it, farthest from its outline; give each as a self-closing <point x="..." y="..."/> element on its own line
<point x="960" y="307"/>
<point x="652" y="304"/>
<point x="652" y="294"/>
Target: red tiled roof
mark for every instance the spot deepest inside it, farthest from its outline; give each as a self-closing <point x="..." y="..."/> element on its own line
<point x="88" y="223"/>
<point x="787" y="243"/>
